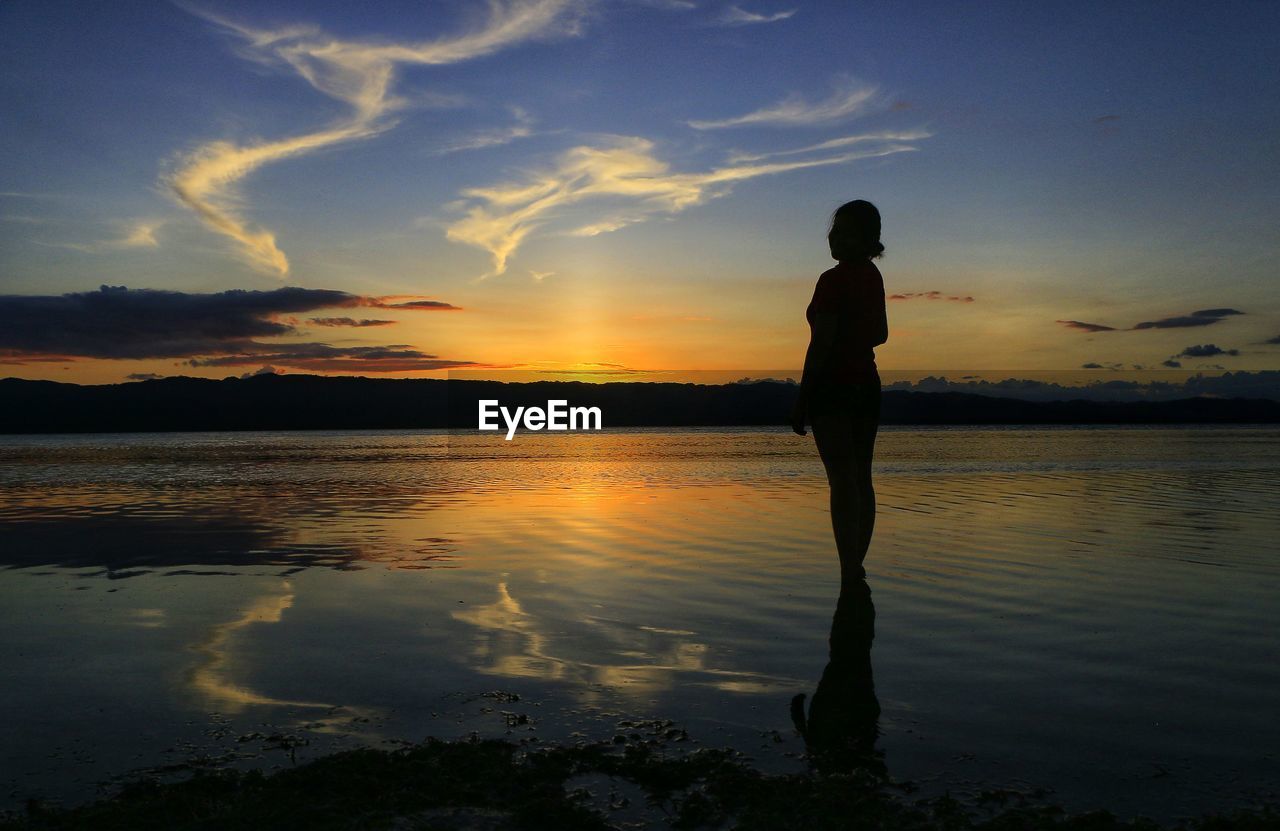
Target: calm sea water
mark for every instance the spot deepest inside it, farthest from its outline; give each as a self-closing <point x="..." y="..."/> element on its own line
<point x="1093" y="611"/>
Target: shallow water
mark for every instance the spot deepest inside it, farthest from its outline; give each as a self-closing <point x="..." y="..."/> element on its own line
<point x="1088" y="610"/>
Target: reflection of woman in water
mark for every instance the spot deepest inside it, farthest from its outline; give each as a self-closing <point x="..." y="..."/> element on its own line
<point x="840" y="391"/>
<point x="842" y="724"/>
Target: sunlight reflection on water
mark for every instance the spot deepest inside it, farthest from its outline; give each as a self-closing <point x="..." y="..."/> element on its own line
<point x="1090" y="609"/>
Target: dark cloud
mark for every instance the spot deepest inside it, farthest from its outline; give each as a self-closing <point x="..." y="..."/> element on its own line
<point x="1204" y="317"/>
<point x="409" y="304"/>
<point x="349" y="321"/>
<point x="1171" y="363"/>
<point x="142" y="376"/>
<point x="1262" y="384"/>
<point x="224" y="328"/>
<point x="1207" y="350"/>
<point x="750" y="380"/>
<point x="115" y="322"/>
<point x="1092" y="365"/>
<point x="1086" y="327"/>
<point x="323" y="357"/>
<point x="931" y="295"/>
<point x="1276" y="339"/>
<point x="604" y="369"/>
<point x="598" y="372"/>
<point x="19" y="356"/>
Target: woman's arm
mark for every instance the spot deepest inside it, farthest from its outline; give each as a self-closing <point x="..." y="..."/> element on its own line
<point x="877" y="318"/>
<point x="822" y="338"/>
<point x="878" y="330"/>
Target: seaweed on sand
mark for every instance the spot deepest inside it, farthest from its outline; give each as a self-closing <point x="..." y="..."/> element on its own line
<point x="495" y="784"/>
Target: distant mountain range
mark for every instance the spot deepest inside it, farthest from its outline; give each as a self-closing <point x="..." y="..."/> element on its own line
<point x="313" y="402"/>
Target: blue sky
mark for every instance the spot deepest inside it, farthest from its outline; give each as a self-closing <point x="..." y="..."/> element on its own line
<point x="645" y="184"/>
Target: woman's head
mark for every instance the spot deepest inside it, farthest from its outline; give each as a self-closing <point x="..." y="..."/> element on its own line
<point x="855" y="231"/>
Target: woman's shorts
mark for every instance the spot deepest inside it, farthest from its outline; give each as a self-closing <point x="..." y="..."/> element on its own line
<point x="861" y="401"/>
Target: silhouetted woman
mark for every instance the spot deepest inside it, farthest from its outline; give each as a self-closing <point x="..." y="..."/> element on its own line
<point x="840" y="391"/>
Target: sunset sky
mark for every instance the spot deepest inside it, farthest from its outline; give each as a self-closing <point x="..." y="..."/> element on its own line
<point x="409" y="187"/>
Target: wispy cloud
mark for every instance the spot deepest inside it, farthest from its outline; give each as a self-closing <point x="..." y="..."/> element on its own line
<point x="849" y="99"/>
<point x="360" y="74"/>
<point x="737" y="16"/>
<point x="500" y="218"/>
<point x="141" y="235"/>
<point x="932" y="295"/>
<point x="834" y="144"/>
<point x="669" y="5"/>
<point x="137" y="234"/>
<point x="22" y="194"/>
<point x="523" y="128"/>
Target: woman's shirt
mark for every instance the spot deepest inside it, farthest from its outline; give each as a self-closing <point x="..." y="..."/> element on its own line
<point x="854" y="292"/>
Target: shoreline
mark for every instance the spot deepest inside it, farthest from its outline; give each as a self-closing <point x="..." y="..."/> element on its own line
<point x="305" y="402"/>
<point x="637" y="780"/>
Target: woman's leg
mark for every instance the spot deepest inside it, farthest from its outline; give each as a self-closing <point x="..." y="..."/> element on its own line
<point x="834" y="433"/>
<point x="866" y="423"/>
<point x="866" y="494"/>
